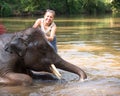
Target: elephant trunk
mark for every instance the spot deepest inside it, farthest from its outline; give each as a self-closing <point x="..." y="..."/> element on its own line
<point x="64" y="65"/>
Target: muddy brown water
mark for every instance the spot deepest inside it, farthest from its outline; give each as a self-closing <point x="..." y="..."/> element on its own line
<point x="92" y="43"/>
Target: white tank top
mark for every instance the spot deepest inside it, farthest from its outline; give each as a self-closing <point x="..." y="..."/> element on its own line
<point x="49" y="28"/>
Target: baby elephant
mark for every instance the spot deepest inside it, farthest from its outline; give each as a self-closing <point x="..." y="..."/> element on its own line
<point x="33" y="52"/>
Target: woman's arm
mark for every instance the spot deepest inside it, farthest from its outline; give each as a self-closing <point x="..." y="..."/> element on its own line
<point x="53" y="31"/>
<point x="37" y="23"/>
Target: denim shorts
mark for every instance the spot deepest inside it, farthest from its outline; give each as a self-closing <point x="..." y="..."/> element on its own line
<point x="54" y="44"/>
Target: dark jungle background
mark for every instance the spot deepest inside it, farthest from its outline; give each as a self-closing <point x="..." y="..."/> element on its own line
<point x="62" y="7"/>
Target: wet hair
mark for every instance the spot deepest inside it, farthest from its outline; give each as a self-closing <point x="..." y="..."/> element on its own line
<point x="51" y="11"/>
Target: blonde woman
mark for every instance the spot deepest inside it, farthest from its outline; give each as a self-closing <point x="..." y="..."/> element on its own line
<point x="48" y="26"/>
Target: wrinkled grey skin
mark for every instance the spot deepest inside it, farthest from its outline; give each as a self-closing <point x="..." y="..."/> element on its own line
<point x="37" y="54"/>
<point x="8" y="62"/>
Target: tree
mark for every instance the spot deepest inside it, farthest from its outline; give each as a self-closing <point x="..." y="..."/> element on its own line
<point x="115" y="6"/>
<point x="5" y="9"/>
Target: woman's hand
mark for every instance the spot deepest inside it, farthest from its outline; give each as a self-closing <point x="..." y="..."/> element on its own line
<point x="46" y="37"/>
<point x="49" y="38"/>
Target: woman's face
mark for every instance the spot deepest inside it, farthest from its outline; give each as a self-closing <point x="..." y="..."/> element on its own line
<point x="48" y="17"/>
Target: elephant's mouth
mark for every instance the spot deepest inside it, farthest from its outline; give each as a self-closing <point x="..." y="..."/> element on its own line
<point x="55" y="71"/>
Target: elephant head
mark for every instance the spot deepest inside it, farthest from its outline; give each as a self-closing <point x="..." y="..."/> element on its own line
<point x="18" y="43"/>
<point x="40" y="55"/>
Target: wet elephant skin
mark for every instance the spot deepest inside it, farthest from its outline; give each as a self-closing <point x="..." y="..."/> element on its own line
<point x="36" y="54"/>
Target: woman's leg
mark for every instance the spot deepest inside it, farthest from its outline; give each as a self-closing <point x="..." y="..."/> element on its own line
<point x="54" y="44"/>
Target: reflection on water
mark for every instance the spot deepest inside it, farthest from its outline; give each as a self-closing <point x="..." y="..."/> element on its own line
<point x="90" y="43"/>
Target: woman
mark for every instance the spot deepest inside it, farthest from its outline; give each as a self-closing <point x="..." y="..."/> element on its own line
<point x="48" y="26"/>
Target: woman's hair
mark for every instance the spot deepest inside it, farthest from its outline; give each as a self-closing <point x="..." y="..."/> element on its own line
<point x="51" y="11"/>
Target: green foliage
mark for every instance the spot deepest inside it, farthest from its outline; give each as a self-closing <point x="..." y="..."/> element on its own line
<point x="59" y="7"/>
<point x="94" y="6"/>
<point x="89" y="6"/>
<point x="75" y="6"/>
<point x="115" y="6"/>
<point x="5" y="9"/>
<point x="28" y="5"/>
<point x="100" y="7"/>
<point x="62" y="7"/>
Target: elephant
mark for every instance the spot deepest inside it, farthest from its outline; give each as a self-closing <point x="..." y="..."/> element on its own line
<point x="8" y="62"/>
<point x="33" y="52"/>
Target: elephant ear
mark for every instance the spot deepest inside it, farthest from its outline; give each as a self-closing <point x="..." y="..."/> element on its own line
<point x="17" y="45"/>
<point x="7" y="48"/>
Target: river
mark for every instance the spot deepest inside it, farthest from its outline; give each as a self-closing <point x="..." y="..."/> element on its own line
<point x="91" y="43"/>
